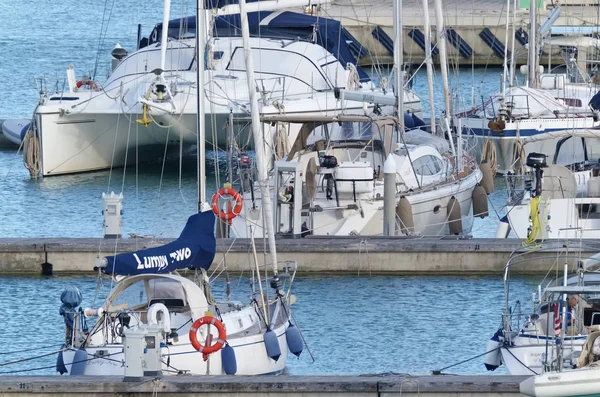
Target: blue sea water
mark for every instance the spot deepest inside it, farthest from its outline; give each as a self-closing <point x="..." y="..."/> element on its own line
<point x="353" y="325"/>
<point x="156" y="200"/>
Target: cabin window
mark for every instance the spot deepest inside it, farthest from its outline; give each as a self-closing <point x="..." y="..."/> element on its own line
<point x="131" y="297"/>
<point x="277" y="62"/>
<point x="427" y="165"/>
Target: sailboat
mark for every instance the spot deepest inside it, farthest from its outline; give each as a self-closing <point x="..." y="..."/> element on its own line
<point x="197" y="334"/>
<point x="88" y="126"/>
<point x="543" y="339"/>
<point x="548" y="103"/>
<point x="331" y="181"/>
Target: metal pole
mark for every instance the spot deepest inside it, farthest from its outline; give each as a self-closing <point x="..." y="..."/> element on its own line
<point x="200" y="106"/>
<point x="389" y="196"/>
<point x="441" y="41"/>
<point x="165" y="34"/>
<point x="532" y="53"/>
<point x="399" y="62"/>
<point x="261" y="161"/>
<point x="429" y="62"/>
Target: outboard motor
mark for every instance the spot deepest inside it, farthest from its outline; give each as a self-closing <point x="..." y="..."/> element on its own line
<point x="537" y="161"/>
<point x="70" y="298"/>
<point x="117" y="54"/>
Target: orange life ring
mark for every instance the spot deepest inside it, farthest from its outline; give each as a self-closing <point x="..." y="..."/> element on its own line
<point x="208" y="320"/>
<point x="89" y="83"/>
<point x="230" y="213"/>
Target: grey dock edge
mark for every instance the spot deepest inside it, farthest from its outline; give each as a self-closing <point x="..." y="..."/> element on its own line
<point x="352" y="255"/>
<point x="249" y="386"/>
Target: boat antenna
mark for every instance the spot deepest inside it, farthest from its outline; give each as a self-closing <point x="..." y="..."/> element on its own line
<point x="200" y="108"/>
<point x="267" y="206"/>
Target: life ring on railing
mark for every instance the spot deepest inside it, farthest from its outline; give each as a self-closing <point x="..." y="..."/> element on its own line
<point x="208" y="320"/>
<point x="231" y="212"/>
<point x="89" y="83"/>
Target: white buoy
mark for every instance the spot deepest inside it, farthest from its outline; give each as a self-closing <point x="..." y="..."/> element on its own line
<point x="487" y="181"/>
<point x="404" y="212"/>
<point x="389" y="196"/>
<point x="454" y="216"/>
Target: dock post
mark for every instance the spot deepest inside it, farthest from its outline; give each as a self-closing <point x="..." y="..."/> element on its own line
<point x="389" y="196"/>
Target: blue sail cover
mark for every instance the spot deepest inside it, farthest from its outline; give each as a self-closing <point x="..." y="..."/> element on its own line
<point x="326" y="32"/>
<point x="194" y="249"/>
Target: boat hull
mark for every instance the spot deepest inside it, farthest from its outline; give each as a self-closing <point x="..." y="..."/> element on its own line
<point x="584" y="382"/>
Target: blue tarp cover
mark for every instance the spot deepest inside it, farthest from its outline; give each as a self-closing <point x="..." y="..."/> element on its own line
<point x="326" y="32"/>
<point x="194" y="249"/>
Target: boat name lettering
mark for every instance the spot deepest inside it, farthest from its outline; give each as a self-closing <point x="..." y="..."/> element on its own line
<point x="149" y="262"/>
<point x="180" y="254"/>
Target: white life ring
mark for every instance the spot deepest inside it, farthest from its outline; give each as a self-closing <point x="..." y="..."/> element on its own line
<point x="165" y="319"/>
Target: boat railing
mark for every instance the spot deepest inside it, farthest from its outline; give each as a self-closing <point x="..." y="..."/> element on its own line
<point x="517" y="187"/>
<point x="509" y="108"/>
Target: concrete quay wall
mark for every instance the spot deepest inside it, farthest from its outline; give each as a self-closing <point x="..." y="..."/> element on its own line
<point x="293" y="386"/>
<point x="351" y="255"/>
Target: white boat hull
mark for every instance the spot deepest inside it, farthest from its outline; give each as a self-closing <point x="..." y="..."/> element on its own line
<point x="584" y="382"/>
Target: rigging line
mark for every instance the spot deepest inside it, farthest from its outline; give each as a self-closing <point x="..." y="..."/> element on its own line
<point x="164" y="160"/>
<point x="31" y="358"/>
<point x="102" y="37"/>
<point x="28" y="350"/>
<point x="439" y="371"/>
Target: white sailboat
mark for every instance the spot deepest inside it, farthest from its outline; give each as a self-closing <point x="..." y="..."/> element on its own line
<point x="548" y="103"/>
<point x="331" y="182"/>
<point x="89" y="125"/>
<point x="557" y="197"/>
<point x="153" y="300"/>
<point x="547" y="337"/>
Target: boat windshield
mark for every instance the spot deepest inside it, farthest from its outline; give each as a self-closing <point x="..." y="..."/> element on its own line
<point x="346" y="131"/>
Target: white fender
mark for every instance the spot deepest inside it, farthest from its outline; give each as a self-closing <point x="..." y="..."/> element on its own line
<point x="493" y="357"/>
<point x="165" y="318"/>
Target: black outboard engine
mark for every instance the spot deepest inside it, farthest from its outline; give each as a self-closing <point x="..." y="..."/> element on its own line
<point x="537" y="161"/>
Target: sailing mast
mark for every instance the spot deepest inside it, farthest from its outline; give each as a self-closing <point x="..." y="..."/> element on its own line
<point x="200" y="107"/>
<point x="428" y="59"/>
<point x="267" y="206"/>
<point x="532" y="59"/>
<point x="399" y="62"/>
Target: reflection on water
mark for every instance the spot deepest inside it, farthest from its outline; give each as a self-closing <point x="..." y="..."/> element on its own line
<point x="353" y="325"/>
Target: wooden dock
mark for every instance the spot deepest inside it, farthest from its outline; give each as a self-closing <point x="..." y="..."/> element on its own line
<point x="266" y="386"/>
<point x="348" y="255"/>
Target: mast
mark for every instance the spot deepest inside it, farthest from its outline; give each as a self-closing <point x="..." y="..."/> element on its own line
<point x="428" y="60"/>
<point x="532" y="59"/>
<point x="505" y="65"/>
<point x="441" y="41"/>
<point x="261" y="163"/>
<point x="399" y="62"/>
<point x="512" y="47"/>
<point x="200" y="108"/>
<point x="164" y="37"/>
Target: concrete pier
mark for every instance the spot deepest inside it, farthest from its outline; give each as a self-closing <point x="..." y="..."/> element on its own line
<point x="468" y="19"/>
<point x="266" y="386"/>
<point x="348" y="255"/>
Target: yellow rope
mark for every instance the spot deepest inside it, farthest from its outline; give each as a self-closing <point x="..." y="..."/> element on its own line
<point x="488" y="155"/>
<point x="536" y="222"/>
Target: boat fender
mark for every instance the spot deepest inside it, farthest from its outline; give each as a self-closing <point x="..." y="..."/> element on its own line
<point x="593" y="186"/>
<point x="228" y="359"/>
<point x="230" y="213"/>
<point x="404" y="212"/>
<point x="480" y="202"/>
<point x="193" y="335"/>
<point x="272" y="344"/>
<point x="493" y="356"/>
<point x="454" y="216"/>
<point x="79" y="363"/>
<point x="503" y="228"/>
<point x="165" y="318"/>
<point x="294" y="340"/>
<point x="60" y="362"/>
<point x="487" y="181"/>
